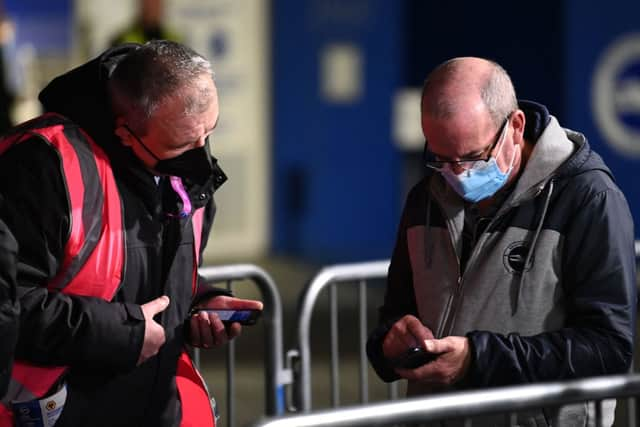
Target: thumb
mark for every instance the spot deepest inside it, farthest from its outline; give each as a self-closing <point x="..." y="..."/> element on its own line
<point x="157" y="305"/>
<point x="434" y="346"/>
<point x="245" y="304"/>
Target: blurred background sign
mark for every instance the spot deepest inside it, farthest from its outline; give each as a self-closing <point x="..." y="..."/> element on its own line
<point x="603" y="86"/>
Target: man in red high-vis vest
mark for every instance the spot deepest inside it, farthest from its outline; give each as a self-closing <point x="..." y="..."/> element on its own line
<point x="109" y="195"/>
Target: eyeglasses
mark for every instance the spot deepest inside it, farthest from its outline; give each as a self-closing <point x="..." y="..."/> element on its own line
<point x="467" y="163"/>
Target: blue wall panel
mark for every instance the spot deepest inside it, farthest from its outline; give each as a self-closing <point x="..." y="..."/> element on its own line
<point x="45" y="24"/>
<point x="335" y="168"/>
<point x="603" y="50"/>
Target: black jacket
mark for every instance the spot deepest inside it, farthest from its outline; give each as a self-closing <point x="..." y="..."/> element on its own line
<point x="101" y="340"/>
<point x="9" y="311"/>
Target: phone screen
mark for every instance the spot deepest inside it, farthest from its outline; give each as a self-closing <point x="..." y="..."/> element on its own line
<point x="244" y="317"/>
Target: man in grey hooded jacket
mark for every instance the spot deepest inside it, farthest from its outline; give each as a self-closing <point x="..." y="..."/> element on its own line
<point x="514" y="261"/>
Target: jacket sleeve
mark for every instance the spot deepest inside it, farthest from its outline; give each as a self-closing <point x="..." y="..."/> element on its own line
<point x="599" y="281"/>
<point x="57" y="329"/>
<point x="9" y="309"/>
<point x="399" y="297"/>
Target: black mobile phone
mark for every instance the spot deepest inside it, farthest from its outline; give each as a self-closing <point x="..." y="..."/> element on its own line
<point x="413" y="358"/>
<point x="244" y="317"/>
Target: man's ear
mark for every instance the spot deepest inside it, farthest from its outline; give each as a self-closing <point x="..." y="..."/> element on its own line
<point x="518" y="119"/>
<point x="123" y="133"/>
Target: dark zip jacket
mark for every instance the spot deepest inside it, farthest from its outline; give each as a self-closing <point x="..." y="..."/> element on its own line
<point x="100" y="340"/>
<point x="547" y="291"/>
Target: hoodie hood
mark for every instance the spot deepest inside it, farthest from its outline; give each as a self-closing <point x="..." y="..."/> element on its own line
<point x="582" y="158"/>
<point x="81" y="94"/>
<point x="557" y="153"/>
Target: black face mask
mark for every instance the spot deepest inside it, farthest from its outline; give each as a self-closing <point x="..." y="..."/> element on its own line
<point x="194" y="164"/>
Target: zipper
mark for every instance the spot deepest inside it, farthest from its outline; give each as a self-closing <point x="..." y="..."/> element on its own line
<point x="453" y="297"/>
<point x="451" y="309"/>
<point x="454" y="300"/>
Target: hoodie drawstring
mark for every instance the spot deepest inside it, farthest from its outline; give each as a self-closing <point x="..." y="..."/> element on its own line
<point x="428" y="243"/>
<point x="520" y="285"/>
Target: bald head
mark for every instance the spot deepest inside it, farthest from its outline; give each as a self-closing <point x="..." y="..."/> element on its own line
<point x="464" y="85"/>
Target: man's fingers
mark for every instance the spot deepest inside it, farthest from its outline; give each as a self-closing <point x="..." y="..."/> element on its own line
<point x="218" y="332"/>
<point x="204" y="329"/>
<point x="194" y="330"/>
<point x="207" y="330"/>
<point x="410" y="331"/>
<point x="154" y="334"/>
<point x="438" y="346"/>
<point x="446" y="345"/>
<point x="417" y="329"/>
<point x="246" y="304"/>
<point x="226" y="302"/>
<point x="155" y="306"/>
<point x="406" y="333"/>
<point x="432" y="346"/>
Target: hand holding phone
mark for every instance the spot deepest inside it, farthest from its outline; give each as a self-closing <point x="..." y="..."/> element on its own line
<point x="244" y="317"/>
<point x="413" y="358"/>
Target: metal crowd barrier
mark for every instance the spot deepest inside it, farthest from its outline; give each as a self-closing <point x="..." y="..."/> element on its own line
<point x="276" y="377"/>
<point x="345" y="274"/>
<point x="465" y="405"/>
<point x="506" y="400"/>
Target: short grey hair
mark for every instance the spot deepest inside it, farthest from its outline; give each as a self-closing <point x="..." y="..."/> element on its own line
<point x="496" y="91"/>
<point x="154" y="71"/>
<point x="498" y="94"/>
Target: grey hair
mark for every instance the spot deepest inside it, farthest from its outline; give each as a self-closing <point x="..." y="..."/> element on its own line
<point x="496" y="91"/>
<point x="153" y="72"/>
<point x="498" y="94"/>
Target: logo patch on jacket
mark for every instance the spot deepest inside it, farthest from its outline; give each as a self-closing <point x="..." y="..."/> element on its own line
<point x="514" y="257"/>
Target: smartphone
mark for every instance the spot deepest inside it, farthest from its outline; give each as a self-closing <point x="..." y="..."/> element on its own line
<point x="414" y="358"/>
<point x="244" y="317"/>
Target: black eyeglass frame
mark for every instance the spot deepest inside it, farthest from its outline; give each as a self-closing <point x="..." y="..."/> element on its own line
<point x="466" y="162"/>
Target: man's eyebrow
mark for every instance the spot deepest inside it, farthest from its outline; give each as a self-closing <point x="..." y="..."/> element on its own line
<point x="465" y="156"/>
<point x="474" y="153"/>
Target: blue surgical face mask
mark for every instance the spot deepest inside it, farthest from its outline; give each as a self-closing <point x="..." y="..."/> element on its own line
<point x="480" y="181"/>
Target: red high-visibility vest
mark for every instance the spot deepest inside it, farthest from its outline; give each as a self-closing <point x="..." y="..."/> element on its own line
<point x="94" y="257"/>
